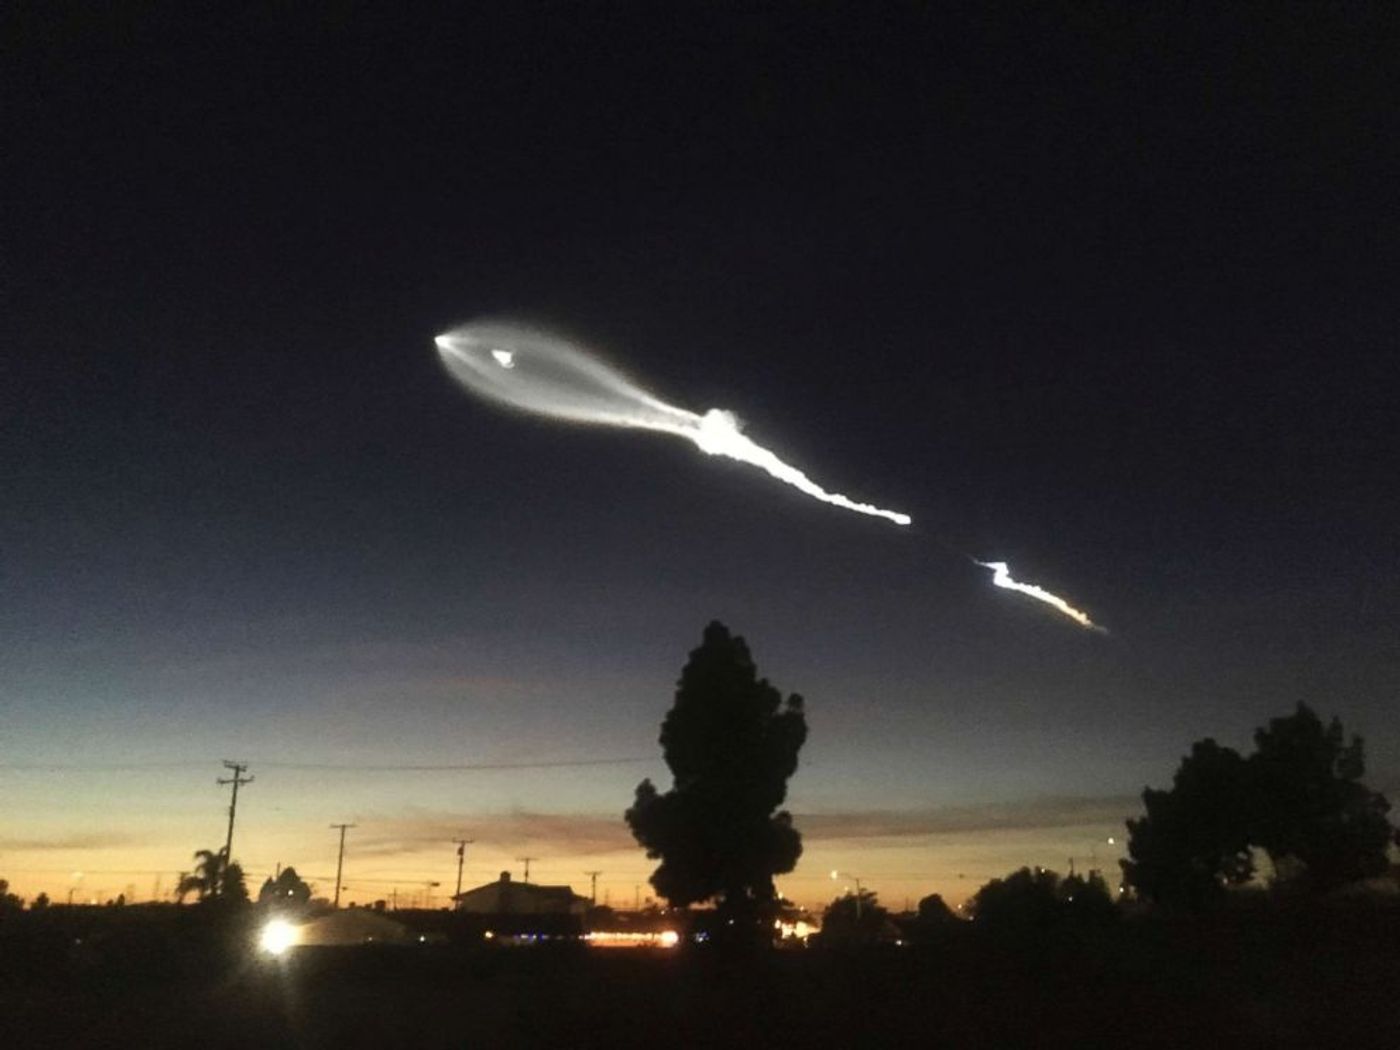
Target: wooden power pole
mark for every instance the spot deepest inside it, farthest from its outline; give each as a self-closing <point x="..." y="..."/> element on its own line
<point x="237" y="780"/>
<point x="340" y="859"/>
<point x="462" y="845"/>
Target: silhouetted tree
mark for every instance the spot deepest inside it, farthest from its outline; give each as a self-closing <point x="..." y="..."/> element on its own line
<point x="932" y="921"/>
<point x="731" y="742"/>
<point x="213" y="877"/>
<point x="40" y="902"/>
<point x="934" y="911"/>
<point x="1299" y="797"/>
<point x="844" y="922"/>
<point x="205" y="879"/>
<point x="1032" y="901"/>
<point x="234" y="889"/>
<point x="1313" y="812"/>
<point x="287" y="891"/>
<point x="1194" y="840"/>
<point x="1086" y="900"/>
<point x="8" y="900"/>
<point x="1026" y="900"/>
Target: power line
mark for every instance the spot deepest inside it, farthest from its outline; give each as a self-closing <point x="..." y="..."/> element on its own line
<point x="462" y="767"/>
<point x="99" y="767"/>
<point x="325" y="767"/>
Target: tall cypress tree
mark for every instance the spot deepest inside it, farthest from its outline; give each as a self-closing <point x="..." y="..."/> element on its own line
<point x="731" y="742"/>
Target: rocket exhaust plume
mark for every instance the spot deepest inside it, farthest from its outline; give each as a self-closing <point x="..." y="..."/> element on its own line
<point x="534" y="371"/>
<point x="537" y="372"/>
<point x="1001" y="577"/>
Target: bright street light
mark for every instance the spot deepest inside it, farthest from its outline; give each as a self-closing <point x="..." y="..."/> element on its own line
<point x="277" y="936"/>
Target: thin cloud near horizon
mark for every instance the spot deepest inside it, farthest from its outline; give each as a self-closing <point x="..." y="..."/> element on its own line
<point x="597" y="833"/>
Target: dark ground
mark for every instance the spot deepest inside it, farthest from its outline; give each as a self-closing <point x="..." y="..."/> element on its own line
<point x="1301" y="980"/>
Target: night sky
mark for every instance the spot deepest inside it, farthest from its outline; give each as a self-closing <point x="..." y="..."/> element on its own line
<point x="1108" y="293"/>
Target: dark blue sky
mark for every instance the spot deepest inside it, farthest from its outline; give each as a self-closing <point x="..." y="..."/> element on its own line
<point x="1108" y="293"/>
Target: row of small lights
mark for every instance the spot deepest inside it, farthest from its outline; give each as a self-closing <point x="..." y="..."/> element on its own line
<point x="278" y="936"/>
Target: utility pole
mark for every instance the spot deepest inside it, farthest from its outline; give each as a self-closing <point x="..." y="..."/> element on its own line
<point x="239" y="768"/>
<point x="340" y="860"/>
<point x="526" y="861"/>
<point x="594" y="876"/>
<point x="462" y="845"/>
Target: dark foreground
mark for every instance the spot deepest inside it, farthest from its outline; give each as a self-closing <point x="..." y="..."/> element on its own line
<point x="1303" y="980"/>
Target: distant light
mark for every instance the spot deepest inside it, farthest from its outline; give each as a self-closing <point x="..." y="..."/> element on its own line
<point x="799" y="930"/>
<point x="1110" y="840"/>
<point x="631" y="939"/>
<point x="835" y="874"/>
<point x="490" y="934"/>
<point x="277" y="936"/>
<point x="504" y="358"/>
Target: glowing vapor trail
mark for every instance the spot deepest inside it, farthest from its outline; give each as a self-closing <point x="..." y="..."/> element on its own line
<point x="538" y="372"/>
<point x="1001" y="576"/>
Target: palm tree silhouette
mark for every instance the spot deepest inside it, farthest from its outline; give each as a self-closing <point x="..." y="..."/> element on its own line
<point x="207" y="877"/>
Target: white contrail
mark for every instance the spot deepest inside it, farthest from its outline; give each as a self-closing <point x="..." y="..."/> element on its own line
<point x="535" y="371"/>
<point x="1001" y="576"/>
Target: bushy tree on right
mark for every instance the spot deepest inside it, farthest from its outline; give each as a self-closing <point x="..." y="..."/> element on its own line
<point x="1298" y="797"/>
